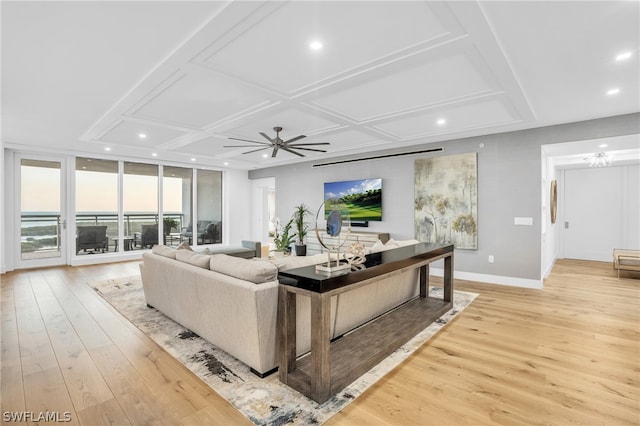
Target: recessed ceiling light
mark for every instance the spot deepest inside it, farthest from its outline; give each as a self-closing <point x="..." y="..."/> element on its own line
<point x="193" y="159"/>
<point x="142" y="135"/>
<point x="154" y="154"/>
<point x="441" y="122"/>
<point x="264" y="156"/>
<point x="107" y="149"/>
<point x="623" y="56"/>
<point x="226" y="163"/>
<point x="603" y="145"/>
<point x="315" y="45"/>
<point x="613" y="91"/>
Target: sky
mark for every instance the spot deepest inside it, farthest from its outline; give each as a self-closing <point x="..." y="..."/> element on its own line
<point x="95" y="191"/>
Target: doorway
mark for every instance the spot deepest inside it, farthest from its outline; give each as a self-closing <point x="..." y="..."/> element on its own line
<point x="41" y="204"/>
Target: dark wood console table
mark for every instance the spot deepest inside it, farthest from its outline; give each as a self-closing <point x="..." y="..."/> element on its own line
<point x="331" y="366"/>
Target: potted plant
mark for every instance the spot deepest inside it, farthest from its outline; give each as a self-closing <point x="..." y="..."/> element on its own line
<point x="301" y="226"/>
<point x="169" y="224"/>
<point x="281" y="237"/>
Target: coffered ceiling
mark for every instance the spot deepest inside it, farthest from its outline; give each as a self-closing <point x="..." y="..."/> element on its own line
<point x="175" y="80"/>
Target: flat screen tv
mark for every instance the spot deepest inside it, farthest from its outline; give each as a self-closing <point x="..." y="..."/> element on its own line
<point x="362" y="198"/>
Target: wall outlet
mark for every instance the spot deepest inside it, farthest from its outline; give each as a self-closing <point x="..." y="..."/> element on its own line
<point x="490" y="258"/>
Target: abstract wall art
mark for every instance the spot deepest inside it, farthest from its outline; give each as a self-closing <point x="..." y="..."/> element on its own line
<point x="446" y="200"/>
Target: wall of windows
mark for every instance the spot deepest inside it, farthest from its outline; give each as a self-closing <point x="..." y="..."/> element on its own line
<point x="122" y="198"/>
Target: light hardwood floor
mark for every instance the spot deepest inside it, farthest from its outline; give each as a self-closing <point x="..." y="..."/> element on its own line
<point x="568" y="354"/>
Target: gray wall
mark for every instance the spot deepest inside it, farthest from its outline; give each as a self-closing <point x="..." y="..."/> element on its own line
<point x="509" y="182"/>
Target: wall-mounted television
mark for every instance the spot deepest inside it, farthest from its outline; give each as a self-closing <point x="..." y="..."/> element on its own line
<point x="362" y="198"/>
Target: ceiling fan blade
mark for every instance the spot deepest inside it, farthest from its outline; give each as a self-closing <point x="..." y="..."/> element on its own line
<point x="256" y="150"/>
<point x="310" y="149"/>
<point x="311" y="143"/>
<point x="239" y="146"/>
<point x="295" y="139"/>
<point x="247" y="140"/>
<point x="275" y="151"/>
<point x="292" y="151"/>
<point x="264" y="135"/>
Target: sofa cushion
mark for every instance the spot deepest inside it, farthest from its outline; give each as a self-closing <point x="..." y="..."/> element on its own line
<point x="192" y="258"/>
<point x="163" y="250"/>
<point x="253" y="270"/>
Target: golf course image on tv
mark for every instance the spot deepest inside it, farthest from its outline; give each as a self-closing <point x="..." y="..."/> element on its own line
<point x="361" y="198"/>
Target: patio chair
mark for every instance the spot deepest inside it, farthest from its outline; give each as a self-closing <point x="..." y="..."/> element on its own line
<point x="92" y="238"/>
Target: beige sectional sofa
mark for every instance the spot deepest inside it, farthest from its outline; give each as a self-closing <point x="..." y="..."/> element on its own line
<point x="232" y="301"/>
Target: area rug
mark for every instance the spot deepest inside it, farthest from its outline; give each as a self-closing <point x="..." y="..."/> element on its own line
<point x="264" y="401"/>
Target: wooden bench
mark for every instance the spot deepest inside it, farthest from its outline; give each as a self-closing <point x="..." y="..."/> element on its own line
<point x="628" y="260"/>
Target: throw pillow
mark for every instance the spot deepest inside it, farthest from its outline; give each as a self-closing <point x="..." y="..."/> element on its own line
<point x="391" y="243"/>
<point x="184" y="246"/>
<point x="378" y="244"/>
<point x="163" y="250"/>
<point x="255" y="271"/>
<point x="195" y="259"/>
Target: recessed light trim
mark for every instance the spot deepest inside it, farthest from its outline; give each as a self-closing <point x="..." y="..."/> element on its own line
<point x="623" y="56"/>
<point x="613" y="91"/>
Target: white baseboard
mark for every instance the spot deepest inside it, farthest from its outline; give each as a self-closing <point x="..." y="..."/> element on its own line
<point x="491" y="279"/>
<point x="105" y="258"/>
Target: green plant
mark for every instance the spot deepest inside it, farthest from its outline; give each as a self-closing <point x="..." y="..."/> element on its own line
<point x="301" y="226"/>
<point x="169" y="224"/>
<point x="281" y="237"/>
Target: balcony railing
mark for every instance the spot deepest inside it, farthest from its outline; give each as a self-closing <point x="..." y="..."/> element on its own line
<point x="41" y="232"/>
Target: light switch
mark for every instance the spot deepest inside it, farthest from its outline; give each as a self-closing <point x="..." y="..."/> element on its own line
<point x="528" y="221"/>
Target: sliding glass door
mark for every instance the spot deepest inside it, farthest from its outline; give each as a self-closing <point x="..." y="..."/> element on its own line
<point x="41" y="220"/>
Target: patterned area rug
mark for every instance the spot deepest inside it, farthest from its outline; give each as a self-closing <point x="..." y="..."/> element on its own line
<point x="263" y="401"/>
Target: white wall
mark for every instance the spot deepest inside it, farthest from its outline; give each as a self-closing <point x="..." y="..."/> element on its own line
<point x="549" y="231"/>
<point x="3" y="265"/>
<point x="237" y="214"/>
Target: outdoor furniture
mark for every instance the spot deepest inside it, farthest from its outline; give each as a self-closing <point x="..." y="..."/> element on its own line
<point x="147" y="238"/>
<point x="92" y="238"/>
<point x="201" y="228"/>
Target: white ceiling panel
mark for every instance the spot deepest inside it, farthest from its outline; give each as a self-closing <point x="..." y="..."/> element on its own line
<point x="352" y="34"/>
<point x="199" y="99"/>
<point x="443" y="80"/>
<point x="348" y="139"/>
<point x="128" y="133"/>
<point x="464" y="117"/>
<point x="294" y="122"/>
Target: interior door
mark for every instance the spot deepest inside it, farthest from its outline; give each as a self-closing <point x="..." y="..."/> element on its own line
<point x="592" y="213"/>
<point x="42" y="220"/>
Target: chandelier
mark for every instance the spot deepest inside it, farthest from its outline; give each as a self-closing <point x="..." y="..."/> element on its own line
<point x="599" y="159"/>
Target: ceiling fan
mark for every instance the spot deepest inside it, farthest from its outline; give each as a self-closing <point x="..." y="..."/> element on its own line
<point x="277" y="143"/>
